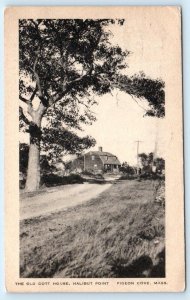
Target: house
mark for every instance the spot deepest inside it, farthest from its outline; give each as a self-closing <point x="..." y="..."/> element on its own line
<point x="96" y="162"/>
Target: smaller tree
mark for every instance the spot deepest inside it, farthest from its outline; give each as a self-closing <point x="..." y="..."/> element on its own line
<point x="127" y="169"/>
<point x="160" y="165"/>
<point x="148" y="162"/>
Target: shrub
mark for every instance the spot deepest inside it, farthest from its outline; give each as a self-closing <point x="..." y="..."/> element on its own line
<point x="55" y="180"/>
<point x="99" y="176"/>
<point x="128" y="177"/>
<point x="151" y="176"/>
<point x="74" y="178"/>
<point x="87" y="173"/>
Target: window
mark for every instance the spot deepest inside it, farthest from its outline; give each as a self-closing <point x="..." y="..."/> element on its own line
<point x="93" y="157"/>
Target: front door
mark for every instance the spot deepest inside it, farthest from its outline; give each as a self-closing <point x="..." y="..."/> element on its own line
<point x="108" y="168"/>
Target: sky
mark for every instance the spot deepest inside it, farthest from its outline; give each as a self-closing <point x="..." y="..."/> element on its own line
<point x="120" y="123"/>
<point x="120" y="120"/>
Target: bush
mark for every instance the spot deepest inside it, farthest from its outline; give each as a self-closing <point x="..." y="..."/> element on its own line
<point x="87" y="173"/>
<point x="128" y="177"/>
<point x="93" y="176"/>
<point x="74" y="178"/>
<point x="55" y="180"/>
<point x="151" y="176"/>
<point x="99" y="176"/>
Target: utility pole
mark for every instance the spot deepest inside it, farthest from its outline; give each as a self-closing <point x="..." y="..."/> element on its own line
<point x="156" y="144"/>
<point x="84" y="162"/>
<point x="154" y="156"/>
<point x="138" y="142"/>
<point x="155" y="149"/>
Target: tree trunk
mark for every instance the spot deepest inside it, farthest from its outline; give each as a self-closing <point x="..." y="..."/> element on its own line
<point x="33" y="173"/>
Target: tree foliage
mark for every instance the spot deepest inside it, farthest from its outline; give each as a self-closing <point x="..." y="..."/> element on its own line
<point x="63" y="64"/>
<point x="143" y="87"/>
<point x="148" y="161"/>
<point x="67" y="59"/>
<point x="127" y="169"/>
<point x="59" y="141"/>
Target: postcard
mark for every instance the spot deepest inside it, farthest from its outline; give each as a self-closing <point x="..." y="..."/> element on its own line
<point x="94" y="187"/>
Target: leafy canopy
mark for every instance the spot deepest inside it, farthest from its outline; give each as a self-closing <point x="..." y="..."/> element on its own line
<point x="64" y="63"/>
<point x="67" y="58"/>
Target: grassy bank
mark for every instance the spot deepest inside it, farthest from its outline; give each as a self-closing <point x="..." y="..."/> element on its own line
<point x="118" y="234"/>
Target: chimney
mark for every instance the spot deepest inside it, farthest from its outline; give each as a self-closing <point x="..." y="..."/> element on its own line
<point x="100" y="149"/>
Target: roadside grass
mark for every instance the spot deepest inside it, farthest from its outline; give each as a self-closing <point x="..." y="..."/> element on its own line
<point x="118" y="234"/>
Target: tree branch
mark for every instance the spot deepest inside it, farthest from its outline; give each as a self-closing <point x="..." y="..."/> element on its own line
<point x="66" y="85"/>
<point x="70" y="83"/>
<point x="36" y="76"/>
<point x="38" y="84"/>
<point x="91" y="65"/>
<point x="42" y="109"/>
<point x="28" y="102"/>
<point x="24" y="99"/>
<point x="30" y="109"/>
<point x="63" y="61"/>
<point x="76" y="80"/>
<point x="33" y="94"/>
<point x="34" y="23"/>
<point x="37" y="29"/>
<point x="59" y="96"/>
<point x="22" y="116"/>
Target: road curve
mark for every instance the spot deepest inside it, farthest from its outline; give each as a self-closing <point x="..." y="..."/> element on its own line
<point x="58" y="198"/>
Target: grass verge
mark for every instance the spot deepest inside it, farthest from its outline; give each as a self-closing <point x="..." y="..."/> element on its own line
<point x="118" y="234"/>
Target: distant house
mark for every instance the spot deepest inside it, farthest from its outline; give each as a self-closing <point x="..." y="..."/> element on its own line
<point x="96" y="162"/>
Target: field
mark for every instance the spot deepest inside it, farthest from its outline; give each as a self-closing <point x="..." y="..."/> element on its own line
<point x="120" y="233"/>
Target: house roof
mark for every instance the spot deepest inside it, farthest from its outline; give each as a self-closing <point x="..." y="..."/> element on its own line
<point x="106" y="157"/>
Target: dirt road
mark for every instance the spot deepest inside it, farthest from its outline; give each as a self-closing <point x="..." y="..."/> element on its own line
<point x="58" y="198"/>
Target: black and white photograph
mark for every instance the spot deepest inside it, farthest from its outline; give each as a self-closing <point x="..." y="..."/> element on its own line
<point x="94" y="146"/>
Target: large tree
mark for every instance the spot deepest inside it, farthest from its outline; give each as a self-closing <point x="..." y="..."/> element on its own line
<point x="62" y="64"/>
